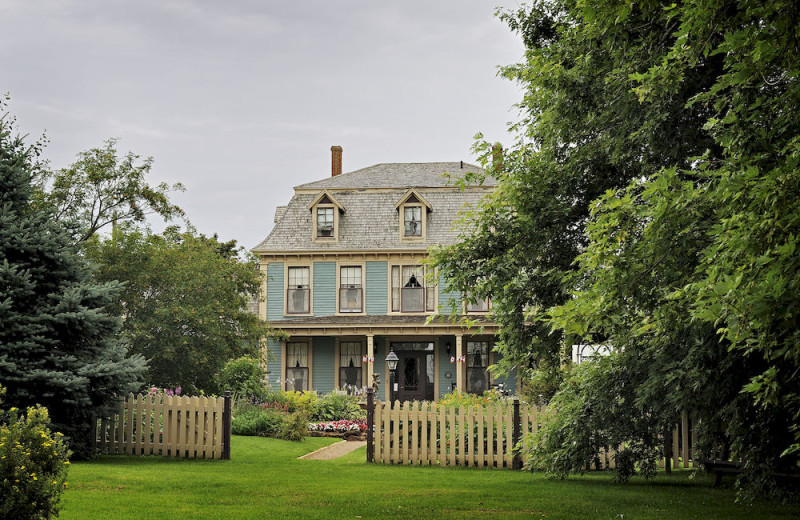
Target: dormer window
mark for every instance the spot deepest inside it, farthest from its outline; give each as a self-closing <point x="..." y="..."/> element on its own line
<point x="412" y="210"/>
<point x="325" y="210"/>
<point x="324" y="222"/>
<point x="412" y="221"/>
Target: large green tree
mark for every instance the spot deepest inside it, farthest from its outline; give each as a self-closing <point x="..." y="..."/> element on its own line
<point x="185" y="302"/>
<point x="58" y="344"/>
<point x="103" y="187"/>
<point x="651" y="201"/>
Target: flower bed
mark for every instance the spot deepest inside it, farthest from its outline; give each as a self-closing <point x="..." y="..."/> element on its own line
<point x="344" y="429"/>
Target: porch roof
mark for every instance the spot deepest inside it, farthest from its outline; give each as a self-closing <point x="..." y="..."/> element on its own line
<point x="365" y="325"/>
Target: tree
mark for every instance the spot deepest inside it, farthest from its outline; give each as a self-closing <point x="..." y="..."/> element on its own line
<point x="651" y="202"/>
<point x="184" y="303"/>
<point x="57" y="340"/>
<point x="101" y="188"/>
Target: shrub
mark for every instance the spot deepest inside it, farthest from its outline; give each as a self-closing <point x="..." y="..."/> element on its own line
<point x="462" y="399"/>
<point x="33" y="465"/>
<point x="337" y="406"/>
<point x="295" y="427"/>
<point x="257" y="419"/>
<point x="243" y="376"/>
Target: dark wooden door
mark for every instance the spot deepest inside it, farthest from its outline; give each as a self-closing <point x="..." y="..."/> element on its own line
<point x="411" y="376"/>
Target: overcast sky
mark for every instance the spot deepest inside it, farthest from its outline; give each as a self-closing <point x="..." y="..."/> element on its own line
<point x="241" y="100"/>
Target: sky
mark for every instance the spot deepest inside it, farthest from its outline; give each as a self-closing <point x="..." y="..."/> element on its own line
<point x="241" y="100"/>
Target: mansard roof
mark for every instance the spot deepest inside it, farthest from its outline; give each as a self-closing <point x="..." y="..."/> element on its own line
<point x="370" y="195"/>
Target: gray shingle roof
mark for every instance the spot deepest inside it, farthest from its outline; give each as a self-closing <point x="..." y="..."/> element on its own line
<point x="370" y="221"/>
<point x="398" y="175"/>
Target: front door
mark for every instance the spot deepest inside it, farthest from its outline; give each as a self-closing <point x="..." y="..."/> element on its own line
<point x="413" y="376"/>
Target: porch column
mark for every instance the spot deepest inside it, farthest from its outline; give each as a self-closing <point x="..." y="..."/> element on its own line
<point x="370" y="357"/>
<point x="459" y="366"/>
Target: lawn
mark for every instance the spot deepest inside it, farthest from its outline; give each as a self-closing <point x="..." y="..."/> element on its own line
<point x="264" y="479"/>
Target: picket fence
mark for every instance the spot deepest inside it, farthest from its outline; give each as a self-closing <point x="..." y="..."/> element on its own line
<point x="170" y="426"/>
<point x="424" y="433"/>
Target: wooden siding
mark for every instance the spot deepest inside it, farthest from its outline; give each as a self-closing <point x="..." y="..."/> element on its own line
<point x="275" y="350"/>
<point x="324" y="364"/>
<point x="275" y="291"/>
<point x="448" y="300"/>
<point x="377" y="291"/>
<point x="324" y="289"/>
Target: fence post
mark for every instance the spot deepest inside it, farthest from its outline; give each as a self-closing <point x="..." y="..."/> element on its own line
<point x="516" y="462"/>
<point x="226" y="427"/>
<point x="370" y="425"/>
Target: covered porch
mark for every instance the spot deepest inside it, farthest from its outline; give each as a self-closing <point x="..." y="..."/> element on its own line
<point x="433" y="359"/>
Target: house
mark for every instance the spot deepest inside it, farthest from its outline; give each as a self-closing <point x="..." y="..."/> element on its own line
<point x="345" y="280"/>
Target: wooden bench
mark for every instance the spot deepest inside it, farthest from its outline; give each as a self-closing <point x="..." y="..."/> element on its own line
<point x="727" y="467"/>
<point x="720" y="468"/>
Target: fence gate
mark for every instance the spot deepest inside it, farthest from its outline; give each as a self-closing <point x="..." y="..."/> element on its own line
<point x="170" y="426"/>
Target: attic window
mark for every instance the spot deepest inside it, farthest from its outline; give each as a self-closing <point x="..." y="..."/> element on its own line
<point x="324" y="222"/>
<point x="412" y="220"/>
<point x="325" y="212"/>
<point x="412" y="212"/>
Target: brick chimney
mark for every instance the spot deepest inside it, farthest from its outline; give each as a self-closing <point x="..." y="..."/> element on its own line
<point x="336" y="161"/>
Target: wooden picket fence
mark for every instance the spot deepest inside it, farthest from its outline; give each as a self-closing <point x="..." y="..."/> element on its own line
<point x="170" y="426"/>
<point x="424" y="433"/>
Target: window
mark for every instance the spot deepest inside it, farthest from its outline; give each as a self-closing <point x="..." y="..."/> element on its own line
<point x="477" y="364"/>
<point x="351" y="296"/>
<point x="478" y="306"/>
<point x="412" y="210"/>
<point x="409" y="293"/>
<point x="325" y="222"/>
<point x="297" y="292"/>
<point x="412" y="221"/>
<point x="350" y="353"/>
<point x="297" y="366"/>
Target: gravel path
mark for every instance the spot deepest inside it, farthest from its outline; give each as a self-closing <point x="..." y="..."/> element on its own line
<point x="334" y="451"/>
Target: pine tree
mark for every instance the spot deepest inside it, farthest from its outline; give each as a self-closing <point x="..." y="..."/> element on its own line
<point x="58" y="345"/>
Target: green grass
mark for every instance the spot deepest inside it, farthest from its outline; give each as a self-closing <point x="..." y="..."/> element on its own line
<point x="264" y="479"/>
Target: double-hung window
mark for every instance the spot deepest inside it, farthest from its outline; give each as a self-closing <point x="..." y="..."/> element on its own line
<point x="325" y="222"/>
<point x="477" y="364"/>
<point x="350" y="353"/>
<point x="479" y="305"/>
<point x="409" y="290"/>
<point x="351" y="294"/>
<point x="412" y="221"/>
<point x="298" y="298"/>
<point x="297" y="366"/>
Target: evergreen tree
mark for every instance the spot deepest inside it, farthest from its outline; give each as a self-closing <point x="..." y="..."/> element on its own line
<point x="58" y="345"/>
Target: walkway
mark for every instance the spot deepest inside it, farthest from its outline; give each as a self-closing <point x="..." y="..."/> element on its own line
<point x="334" y="451"/>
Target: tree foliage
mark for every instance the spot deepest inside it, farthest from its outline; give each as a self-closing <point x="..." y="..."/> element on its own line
<point x="57" y="339"/>
<point x="102" y="187"/>
<point x="651" y="201"/>
<point x="184" y="302"/>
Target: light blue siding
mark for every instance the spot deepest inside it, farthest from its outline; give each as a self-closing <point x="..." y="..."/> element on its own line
<point x="275" y="291"/>
<point x="324" y="364"/>
<point x="275" y="351"/>
<point x="376" y="293"/>
<point x="324" y="288"/>
<point x="449" y="301"/>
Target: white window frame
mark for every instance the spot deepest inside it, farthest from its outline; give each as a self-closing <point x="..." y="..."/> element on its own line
<point x="340" y="287"/>
<point x="288" y="287"/>
<point x="428" y="291"/>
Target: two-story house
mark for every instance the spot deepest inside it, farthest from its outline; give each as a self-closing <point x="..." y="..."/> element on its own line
<point x="345" y="280"/>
